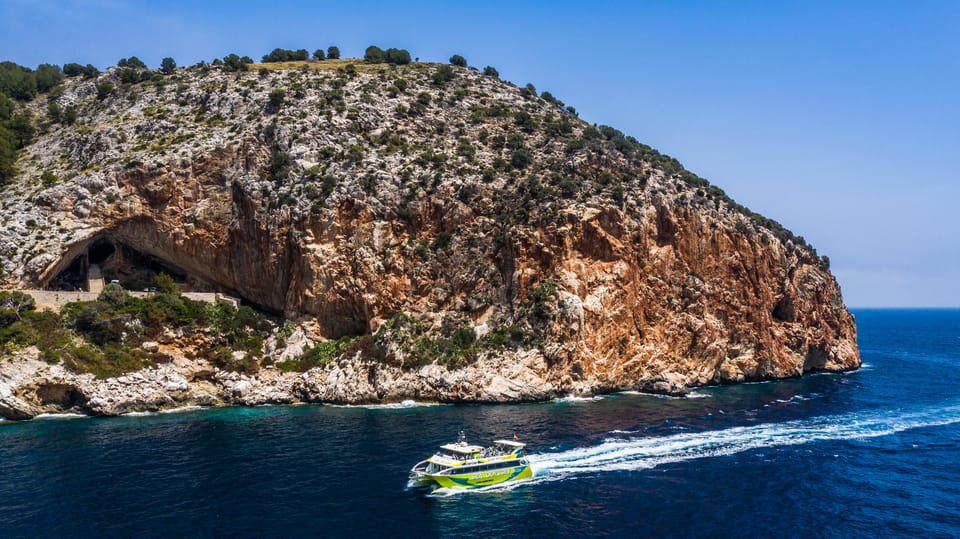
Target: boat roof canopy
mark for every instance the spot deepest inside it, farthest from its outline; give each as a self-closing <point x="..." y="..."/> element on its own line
<point x="461" y="449"/>
<point x="510" y="443"/>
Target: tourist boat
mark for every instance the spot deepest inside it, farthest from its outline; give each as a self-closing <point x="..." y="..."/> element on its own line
<point x="462" y="466"/>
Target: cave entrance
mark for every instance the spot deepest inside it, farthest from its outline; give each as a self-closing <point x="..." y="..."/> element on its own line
<point x="100" y="251"/>
<point x="119" y="262"/>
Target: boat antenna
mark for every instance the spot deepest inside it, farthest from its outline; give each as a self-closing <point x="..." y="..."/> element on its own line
<point x="463" y="438"/>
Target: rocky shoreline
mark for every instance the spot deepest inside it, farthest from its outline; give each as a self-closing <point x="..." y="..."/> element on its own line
<point x="30" y="387"/>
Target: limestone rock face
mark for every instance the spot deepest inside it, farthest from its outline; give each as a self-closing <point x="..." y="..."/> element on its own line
<point x="363" y="198"/>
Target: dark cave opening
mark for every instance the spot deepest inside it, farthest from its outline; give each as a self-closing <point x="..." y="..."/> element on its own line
<point x="74" y="277"/>
<point x="100" y="251"/>
<point x="134" y="269"/>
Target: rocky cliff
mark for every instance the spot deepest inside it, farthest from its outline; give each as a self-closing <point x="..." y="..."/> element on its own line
<point x="471" y="239"/>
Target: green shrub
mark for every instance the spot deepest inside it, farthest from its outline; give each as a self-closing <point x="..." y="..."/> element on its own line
<point x="276" y="98"/>
<point x="465" y="149"/>
<point x="525" y="121"/>
<point x="443" y="75"/>
<point x="521" y="158"/>
<point x="539" y="297"/>
<point x="280" y="164"/>
<point x="373" y="55"/>
<point x="12" y="306"/>
<point x="458" y="60"/>
<point x="105" y="90"/>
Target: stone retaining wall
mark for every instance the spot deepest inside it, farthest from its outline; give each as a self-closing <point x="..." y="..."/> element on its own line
<point x="54" y="299"/>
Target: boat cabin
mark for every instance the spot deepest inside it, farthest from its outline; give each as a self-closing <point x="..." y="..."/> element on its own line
<point x="460" y="459"/>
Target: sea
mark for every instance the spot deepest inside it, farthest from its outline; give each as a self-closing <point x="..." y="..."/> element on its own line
<point x="870" y="453"/>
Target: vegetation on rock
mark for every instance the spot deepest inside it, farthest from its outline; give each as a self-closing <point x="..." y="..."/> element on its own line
<point x="106" y="336"/>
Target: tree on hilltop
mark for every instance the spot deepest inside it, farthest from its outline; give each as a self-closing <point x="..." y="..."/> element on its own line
<point x="491" y="71"/>
<point x="168" y="66"/>
<point x="133" y="62"/>
<point x="232" y="62"/>
<point x="318" y="55"/>
<point x="48" y="77"/>
<point x="333" y="52"/>
<point x="286" y="55"/>
<point x="373" y="55"/>
<point x="397" y="56"/>
<point x="74" y="70"/>
<point x="17" y="81"/>
<point x="458" y="60"/>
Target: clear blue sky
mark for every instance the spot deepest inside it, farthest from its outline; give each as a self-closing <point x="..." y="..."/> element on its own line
<point x="839" y="119"/>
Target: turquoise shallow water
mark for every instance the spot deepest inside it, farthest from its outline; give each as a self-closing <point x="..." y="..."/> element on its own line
<point x="870" y="453"/>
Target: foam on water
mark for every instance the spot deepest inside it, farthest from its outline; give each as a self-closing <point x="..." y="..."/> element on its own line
<point x="59" y="416"/>
<point x="642" y="453"/>
<point x="178" y="410"/>
<point x="182" y="409"/>
<point x="389" y="406"/>
<point x="574" y="398"/>
<point x="690" y="395"/>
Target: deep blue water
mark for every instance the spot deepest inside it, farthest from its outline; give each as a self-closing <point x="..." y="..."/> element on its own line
<point x="874" y="453"/>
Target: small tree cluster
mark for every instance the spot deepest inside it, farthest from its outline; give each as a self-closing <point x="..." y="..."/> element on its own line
<point x="376" y="55"/>
<point x="23" y="83"/>
<point x="16" y="131"/>
<point x="76" y="70"/>
<point x="458" y="60"/>
<point x="232" y="62"/>
<point x="133" y="70"/>
<point x="286" y="55"/>
<point x="132" y="62"/>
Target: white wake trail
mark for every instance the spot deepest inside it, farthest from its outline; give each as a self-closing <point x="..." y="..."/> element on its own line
<point x="648" y="452"/>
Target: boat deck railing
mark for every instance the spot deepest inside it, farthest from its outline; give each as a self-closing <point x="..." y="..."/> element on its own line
<point x="484" y="466"/>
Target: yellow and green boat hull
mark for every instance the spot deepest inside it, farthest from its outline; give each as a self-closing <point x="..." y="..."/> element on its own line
<point x="483" y="479"/>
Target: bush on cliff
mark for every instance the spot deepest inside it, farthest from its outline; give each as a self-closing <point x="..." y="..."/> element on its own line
<point x="16" y="131"/>
<point x="105" y="337"/>
<point x="12" y="306"/>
